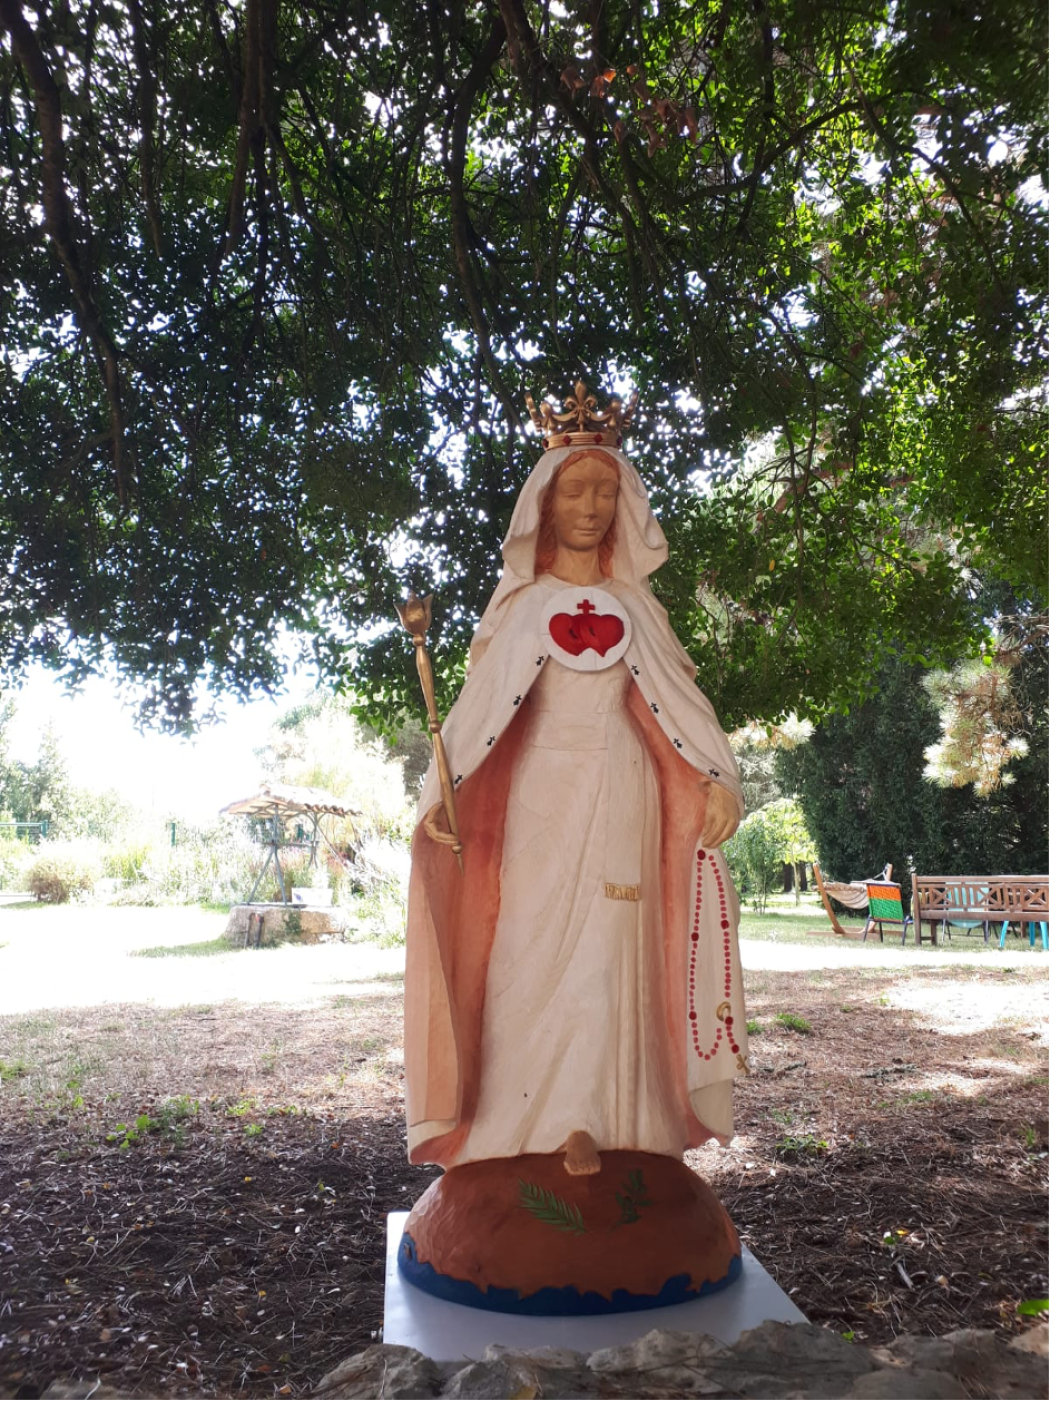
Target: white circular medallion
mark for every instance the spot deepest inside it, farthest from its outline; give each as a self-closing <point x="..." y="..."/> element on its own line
<point x="586" y="629"/>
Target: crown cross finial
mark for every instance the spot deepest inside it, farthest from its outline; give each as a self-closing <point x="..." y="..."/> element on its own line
<point x="582" y="423"/>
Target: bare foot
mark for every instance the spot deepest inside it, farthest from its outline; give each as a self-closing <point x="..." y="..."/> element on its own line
<point x="581" y="1155"/>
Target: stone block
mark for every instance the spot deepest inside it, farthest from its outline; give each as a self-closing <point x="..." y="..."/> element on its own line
<point x="285" y="924"/>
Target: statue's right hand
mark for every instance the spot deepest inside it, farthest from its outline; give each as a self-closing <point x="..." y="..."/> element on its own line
<point x="721" y="816"/>
<point x="435" y="824"/>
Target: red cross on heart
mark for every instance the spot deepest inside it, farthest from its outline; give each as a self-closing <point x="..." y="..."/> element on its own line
<point x="588" y="629"/>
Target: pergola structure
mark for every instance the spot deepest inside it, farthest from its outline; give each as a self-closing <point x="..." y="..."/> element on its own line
<point x="277" y="804"/>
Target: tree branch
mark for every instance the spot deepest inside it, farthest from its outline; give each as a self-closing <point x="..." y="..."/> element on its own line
<point x="248" y="122"/>
<point x="528" y="56"/>
<point x="60" y="220"/>
<point x="461" y="232"/>
<point x="931" y="163"/>
<point x="220" y="42"/>
<point x="262" y="263"/>
<point x="768" y="105"/>
<point x="146" y="92"/>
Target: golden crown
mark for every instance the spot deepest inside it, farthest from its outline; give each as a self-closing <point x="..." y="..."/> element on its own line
<point x="582" y="425"/>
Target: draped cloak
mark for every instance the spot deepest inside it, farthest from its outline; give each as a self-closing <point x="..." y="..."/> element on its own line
<point x="452" y="917"/>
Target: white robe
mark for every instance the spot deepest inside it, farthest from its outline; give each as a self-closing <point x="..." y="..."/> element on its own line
<point x="572" y="970"/>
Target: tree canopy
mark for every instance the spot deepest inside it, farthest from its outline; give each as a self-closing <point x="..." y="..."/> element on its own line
<point x="275" y="277"/>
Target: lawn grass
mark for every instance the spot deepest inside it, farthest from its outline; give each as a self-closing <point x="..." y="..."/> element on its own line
<point x="786" y="922"/>
<point x="202" y="948"/>
<point x="189" y="932"/>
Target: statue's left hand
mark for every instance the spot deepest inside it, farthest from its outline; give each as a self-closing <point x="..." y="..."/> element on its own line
<point x="435" y="824"/>
<point x="721" y="818"/>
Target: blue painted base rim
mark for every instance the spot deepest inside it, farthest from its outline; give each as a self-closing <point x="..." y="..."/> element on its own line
<point x="566" y="1302"/>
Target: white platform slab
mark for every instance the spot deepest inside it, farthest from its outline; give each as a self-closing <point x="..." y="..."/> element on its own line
<point x="450" y="1332"/>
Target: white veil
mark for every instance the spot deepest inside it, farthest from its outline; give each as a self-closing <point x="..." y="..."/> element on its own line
<point x="640" y="549"/>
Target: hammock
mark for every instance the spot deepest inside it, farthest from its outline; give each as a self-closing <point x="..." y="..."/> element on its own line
<point x="852" y="894"/>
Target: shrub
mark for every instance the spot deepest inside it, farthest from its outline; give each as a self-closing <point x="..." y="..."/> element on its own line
<point x="761" y="845"/>
<point x="375" y="892"/>
<point x="15" y="859"/>
<point x="380" y="915"/>
<point x="212" y="865"/>
<point x="753" y="854"/>
<point x="126" y="861"/>
<point x="62" y="871"/>
<point x="296" y="868"/>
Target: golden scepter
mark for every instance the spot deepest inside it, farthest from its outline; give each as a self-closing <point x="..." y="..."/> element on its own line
<point x="415" y="618"/>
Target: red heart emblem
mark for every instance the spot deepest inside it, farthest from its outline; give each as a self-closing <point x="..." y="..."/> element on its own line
<point x="598" y="631"/>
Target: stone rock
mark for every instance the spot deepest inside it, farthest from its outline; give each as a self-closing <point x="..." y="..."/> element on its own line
<point x="777" y="1361"/>
<point x="300" y="924"/>
<point x="666" y="1363"/>
<point x="658" y="1350"/>
<point x="908" y="1384"/>
<point x="550" y="1372"/>
<point x="970" y="1354"/>
<point x="386" y="1370"/>
<point x="795" y="1359"/>
<point x="965" y="1348"/>
<point x="487" y="1378"/>
<point x="1035" y="1339"/>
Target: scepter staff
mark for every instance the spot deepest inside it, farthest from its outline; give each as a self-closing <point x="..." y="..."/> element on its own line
<point x="415" y="618"/>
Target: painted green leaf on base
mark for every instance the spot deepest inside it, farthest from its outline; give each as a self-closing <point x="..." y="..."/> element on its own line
<point x="550" y="1209"/>
<point x="635" y="1194"/>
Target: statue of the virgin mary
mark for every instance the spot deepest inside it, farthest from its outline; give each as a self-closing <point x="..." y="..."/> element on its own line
<point x="576" y="991"/>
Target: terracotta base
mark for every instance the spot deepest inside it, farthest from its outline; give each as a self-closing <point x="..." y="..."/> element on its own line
<point x="519" y="1235"/>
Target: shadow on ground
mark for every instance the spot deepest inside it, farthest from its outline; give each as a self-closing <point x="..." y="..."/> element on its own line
<point x="193" y="1200"/>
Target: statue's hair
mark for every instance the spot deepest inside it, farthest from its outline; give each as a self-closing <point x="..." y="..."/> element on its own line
<point x="546" y="541"/>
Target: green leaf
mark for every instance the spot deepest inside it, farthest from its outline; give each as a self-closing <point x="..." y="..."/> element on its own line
<point x="550" y="1209"/>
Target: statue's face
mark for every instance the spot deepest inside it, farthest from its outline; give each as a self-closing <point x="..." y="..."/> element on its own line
<point x="585" y="502"/>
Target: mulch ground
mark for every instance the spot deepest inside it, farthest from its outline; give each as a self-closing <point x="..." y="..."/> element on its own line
<point x="889" y="1170"/>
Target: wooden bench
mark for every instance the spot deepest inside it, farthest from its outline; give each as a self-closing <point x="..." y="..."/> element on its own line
<point x="973" y="901"/>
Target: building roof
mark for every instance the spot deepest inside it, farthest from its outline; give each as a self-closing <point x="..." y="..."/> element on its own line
<point x="286" y="800"/>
